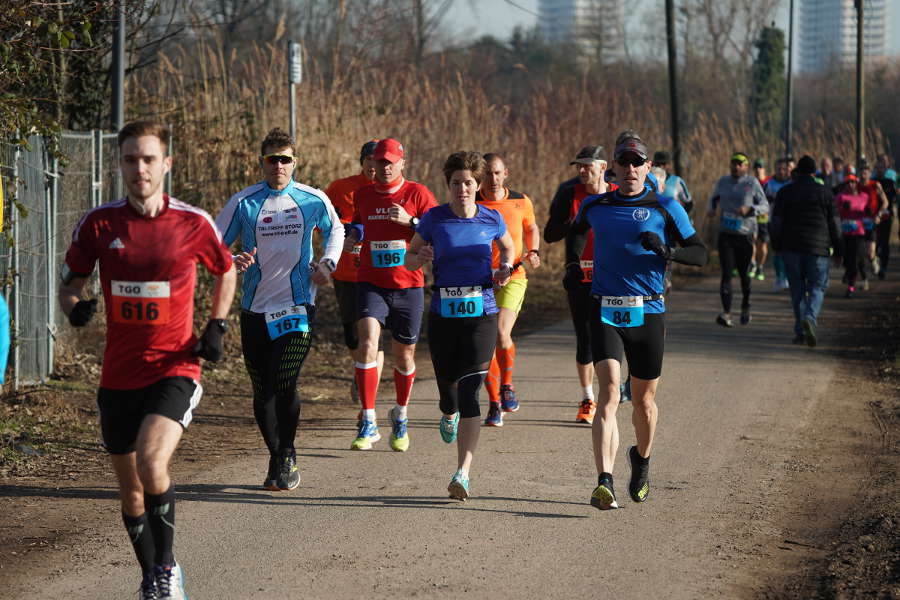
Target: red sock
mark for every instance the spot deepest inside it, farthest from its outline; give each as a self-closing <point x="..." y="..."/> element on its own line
<point x="506" y="359"/>
<point x="492" y="381"/>
<point x="367" y="384"/>
<point x="403" y="383"/>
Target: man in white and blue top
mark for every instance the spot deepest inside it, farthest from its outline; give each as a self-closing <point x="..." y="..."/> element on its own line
<point x="274" y="220"/>
<point x="634" y="231"/>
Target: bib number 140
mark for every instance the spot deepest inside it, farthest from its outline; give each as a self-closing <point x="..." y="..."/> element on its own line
<point x="458" y="302"/>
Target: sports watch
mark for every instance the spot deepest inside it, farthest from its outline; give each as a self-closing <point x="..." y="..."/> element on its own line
<point x="414" y="222"/>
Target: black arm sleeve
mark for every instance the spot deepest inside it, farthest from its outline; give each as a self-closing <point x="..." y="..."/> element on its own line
<point x="558" y="223"/>
<point x="692" y="252"/>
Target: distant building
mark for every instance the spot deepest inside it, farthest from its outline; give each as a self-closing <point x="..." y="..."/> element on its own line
<point x="595" y="26"/>
<point x="827" y="30"/>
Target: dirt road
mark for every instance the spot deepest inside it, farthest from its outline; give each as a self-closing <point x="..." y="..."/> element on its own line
<point x="761" y="446"/>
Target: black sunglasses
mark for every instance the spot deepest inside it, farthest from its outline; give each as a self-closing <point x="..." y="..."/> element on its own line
<point x="634" y="162"/>
<point x="278" y="158"/>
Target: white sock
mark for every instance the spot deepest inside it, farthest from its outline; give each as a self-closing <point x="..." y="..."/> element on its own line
<point x="463" y="473"/>
<point x="369" y="414"/>
<point x="588" y="391"/>
<point x="400" y="412"/>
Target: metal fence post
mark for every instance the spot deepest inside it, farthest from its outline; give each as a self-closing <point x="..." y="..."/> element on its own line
<point x="97" y="168"/>
<point x="52" y="172"/>
<point x="14" y="217"/>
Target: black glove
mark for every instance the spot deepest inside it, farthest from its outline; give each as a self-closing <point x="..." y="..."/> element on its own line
<point x="651" y="241"/>
<point x="82" y="312"/>
<point x="573" y="277"/>
<point x="209" y="346"/>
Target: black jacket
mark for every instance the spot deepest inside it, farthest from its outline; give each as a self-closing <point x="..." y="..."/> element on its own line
<point x="803" y="220"/>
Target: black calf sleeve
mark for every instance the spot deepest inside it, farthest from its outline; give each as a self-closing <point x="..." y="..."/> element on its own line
<point x="141" y="540"/>
<point x="161" y="517"/>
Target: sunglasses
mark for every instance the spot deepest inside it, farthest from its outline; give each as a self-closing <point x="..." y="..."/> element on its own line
<point x="278" y="158"/>
<point x="634" y="162"/>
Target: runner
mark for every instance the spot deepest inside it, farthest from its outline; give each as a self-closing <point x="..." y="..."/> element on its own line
<point x="518" y="215"/>
<point x="853" y="207"/>
<point x="340" y="192"/>
<point x="886" y="178"/>
<point x="879" y="207"/>
<point x="742" y="200"/>
<point x="462" y="321"/>
<point x="783" y="168"/>
<point x="759" y="171"/>
<point x="672" y="186"/>
<point x="590" y="164"/>
<point x="274" y="220"/>
<point x="385" y="216"/>
<point x="148" y="246"/>
<point x="633" y="230"/>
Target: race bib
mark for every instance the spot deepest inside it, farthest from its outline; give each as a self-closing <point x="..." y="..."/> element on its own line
<point x="622" y="311"/>
<point x="732" y="222"/>
<point x="459" y="302"/>
<point x="849" y="226"/>
<point x="868" y="224"/>
<point x="140" y="302"/>
<point x="587" y="267"/>
<point x="353" y="255"/>
<point x="762" y="219"/>
<point x="388" y="254"/>
<point x="287" y="320"/>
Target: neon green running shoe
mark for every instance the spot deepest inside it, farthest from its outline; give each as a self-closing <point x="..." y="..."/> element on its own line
<point x="603" y="496"/>
<point x="368" y="435"/>
<point x="448" y="428"/>
<point x="399" y="433"/>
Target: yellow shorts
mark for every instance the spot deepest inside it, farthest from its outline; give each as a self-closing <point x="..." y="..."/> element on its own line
<point x="511" y="295"/>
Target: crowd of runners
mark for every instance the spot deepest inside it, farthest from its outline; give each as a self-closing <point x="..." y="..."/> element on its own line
<point x="624" y="219"/>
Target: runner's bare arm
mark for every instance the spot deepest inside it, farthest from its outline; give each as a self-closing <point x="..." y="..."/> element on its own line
<point x="418" y="253"/>
<point x="223" y="293"/>
<point x="507" y="248"/>
<point x="534" y="241"/>
<point x="70" y="293"/>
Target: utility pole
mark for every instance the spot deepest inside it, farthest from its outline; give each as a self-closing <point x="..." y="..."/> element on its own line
<point x="117" y="115"/>
<point x="860" y="86"/>
<point x="295" y="75"/>
<point x="673" y="85"/>
<point x="789" y="109"/>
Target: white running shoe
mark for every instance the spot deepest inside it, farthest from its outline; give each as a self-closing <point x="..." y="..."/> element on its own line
<point x="170" y="582"/>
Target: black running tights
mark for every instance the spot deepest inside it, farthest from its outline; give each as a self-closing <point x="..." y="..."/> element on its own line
<point x="461" y="351"/>
<point x="734" y="253"/>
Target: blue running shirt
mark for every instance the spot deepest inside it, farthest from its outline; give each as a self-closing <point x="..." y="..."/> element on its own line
<point x="462" y="249"/>
<point x="622" y="267"/>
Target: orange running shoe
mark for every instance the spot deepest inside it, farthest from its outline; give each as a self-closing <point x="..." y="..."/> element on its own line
<point x="586" y="411"/>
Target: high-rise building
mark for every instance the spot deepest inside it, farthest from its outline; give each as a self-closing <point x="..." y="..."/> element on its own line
<point x="595" y="26"/>
<point x="827" y="31"/>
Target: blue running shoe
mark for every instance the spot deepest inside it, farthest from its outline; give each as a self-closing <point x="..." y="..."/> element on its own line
<point x="494" y="416"/>
<point x="459" y="487"/>
<point x="625" y="391"/>
<point x="170" y="582"/>
<point x="448" y="428"/>
<point x="368" y="435"/>
<point x="508" y="400"/>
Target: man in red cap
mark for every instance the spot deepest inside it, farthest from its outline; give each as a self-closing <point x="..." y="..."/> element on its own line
<point x="388" y="294"/>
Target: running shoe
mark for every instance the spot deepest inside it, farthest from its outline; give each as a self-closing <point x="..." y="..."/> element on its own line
<point x="288" y="471"/>
<point x="724" y="319"/>
<point x="639" y="486"/>
<point x="876" y="265"/>
<point x="760" y="276"/>
<point x="508" y="400"/>
<point x="271" y="481"/>
<point x="148" y="589"/>
<point x="745" y="316"/>
<point x="603" y="496"/>
<point x="865" y="285"/>
<point x="586" y="411"/>
<point x="494" y="416"/>
<point x="625" y="390"/>
<point x="367" y="435"/>
<point x="809" y="331"/>
<point x="850" y="291"/>
<point x="751" y="271"/>
<point x="169" y="582"/>
<point x="448" y="428"/>
<point x="399" y="433"/>
<point x="459" y="486"/>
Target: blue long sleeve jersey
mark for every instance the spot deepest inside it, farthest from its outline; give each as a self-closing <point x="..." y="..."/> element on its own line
<point x="279" y="224"/>
<point x="622" y="266"/>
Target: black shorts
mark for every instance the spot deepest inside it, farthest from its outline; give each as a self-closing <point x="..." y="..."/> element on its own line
<point x="345" y="292"/>
<point x="461" y="346"/>
<point x="762" y="233"/>
<point x="123" y="411"/>
<point x="642" y="346"/>
<point x="397" y="310"/>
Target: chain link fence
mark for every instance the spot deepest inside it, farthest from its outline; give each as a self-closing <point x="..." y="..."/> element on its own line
<point x="43" y="200"/>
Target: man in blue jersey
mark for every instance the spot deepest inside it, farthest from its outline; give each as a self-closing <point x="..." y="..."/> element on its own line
<point x="634" y="233"/>
<point x="783" y="168"/>
<point x="675" y="187"/>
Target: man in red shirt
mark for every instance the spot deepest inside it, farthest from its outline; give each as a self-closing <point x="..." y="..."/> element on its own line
<point x="341" y="192"/>
<point x="148" y="246"/>
<point x="389" y="295"/>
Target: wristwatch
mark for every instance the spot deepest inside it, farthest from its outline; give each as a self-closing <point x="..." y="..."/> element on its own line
<point x="414" y="222"/>
<point x="222" y="324"/>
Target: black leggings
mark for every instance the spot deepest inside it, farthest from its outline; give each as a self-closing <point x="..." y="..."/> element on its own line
<point x="883" y="241"/>
<point x="273" y="366"/>
<point x="461" y="351"/>
<point x="580" y="308"/>
<point x="735" y="252"/>
<point x="856" y="258"/>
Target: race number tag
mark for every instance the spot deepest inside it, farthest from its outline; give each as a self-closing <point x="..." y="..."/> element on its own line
<point x="622" y="311"/>
<point x="587" y="267"/>
<point x="732" y="221"/>
<point x="762" y="219"/>
<point x="287" y="320"/>
<point x="868" y="224"/>
<point x="140" y="302"/>
<point x="458" y="302"/>
<point x="849" y="226"/>
<point x="388" y="254"/>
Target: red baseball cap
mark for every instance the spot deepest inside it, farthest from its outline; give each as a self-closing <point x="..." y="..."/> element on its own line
<point x="388" y="149"/>
<point x="851" y="177"/>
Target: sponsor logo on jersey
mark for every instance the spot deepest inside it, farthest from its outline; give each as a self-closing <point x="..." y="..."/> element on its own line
<point x="641" y="214"/>
<point x="116" y="244"/>
<point x="267" y="220"/>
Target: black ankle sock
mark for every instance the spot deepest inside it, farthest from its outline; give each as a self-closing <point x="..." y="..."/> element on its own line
<point x="141" y="540"/>
<point x="604" y="477"/>
<point x="638" y="458"/>
<point x="161" y="515"/>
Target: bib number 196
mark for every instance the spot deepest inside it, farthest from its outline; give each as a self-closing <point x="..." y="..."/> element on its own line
<point x="388" y="254"/>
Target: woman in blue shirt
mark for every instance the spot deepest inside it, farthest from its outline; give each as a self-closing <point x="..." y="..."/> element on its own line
<point x="462" y="322"/>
